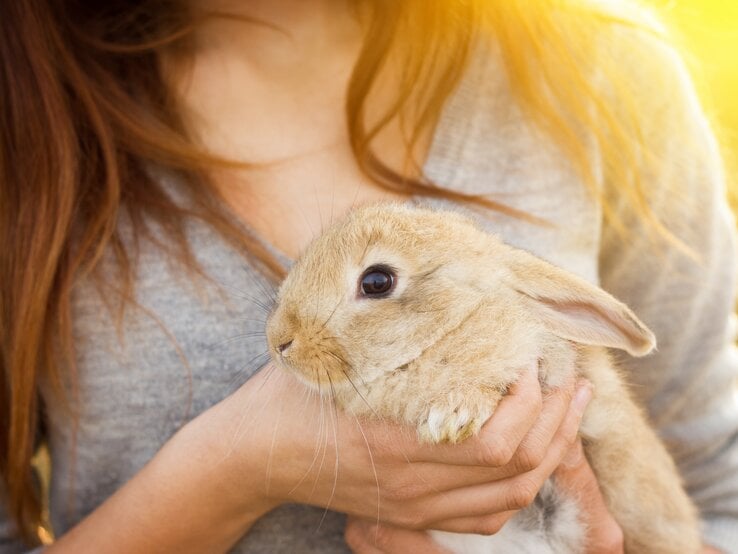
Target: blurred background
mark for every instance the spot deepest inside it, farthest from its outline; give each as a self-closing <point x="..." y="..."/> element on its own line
<point x="708" y="32"/>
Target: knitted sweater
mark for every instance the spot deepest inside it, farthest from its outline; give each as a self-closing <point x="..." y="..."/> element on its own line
<point x="136" y="392"/>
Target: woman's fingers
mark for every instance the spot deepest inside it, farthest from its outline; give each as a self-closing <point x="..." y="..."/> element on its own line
<point x="477" y="506"/>
<point x="500" y="436"/>
<point x="489" y="524"/>
<point x="535" y="444"/>
<point x="366" y="537"/>
<point x="451" y="487"/>
<point x="516" y="414"/>
<point x="530" y="451"/>
<point x="576" y="478"/>
<point x="429" y="478"/>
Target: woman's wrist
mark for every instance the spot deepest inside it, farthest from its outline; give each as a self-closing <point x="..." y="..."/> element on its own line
<point x="230" y="458"/>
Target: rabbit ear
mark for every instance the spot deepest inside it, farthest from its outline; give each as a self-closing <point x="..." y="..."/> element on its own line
<point x="576" y="310"/>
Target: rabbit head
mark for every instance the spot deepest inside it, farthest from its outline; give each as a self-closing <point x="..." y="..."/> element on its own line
<point x="373" y="291"/>
<point x="376" y="290"/>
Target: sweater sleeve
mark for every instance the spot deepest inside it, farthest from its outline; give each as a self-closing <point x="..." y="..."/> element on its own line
<point x="689" y="384"/>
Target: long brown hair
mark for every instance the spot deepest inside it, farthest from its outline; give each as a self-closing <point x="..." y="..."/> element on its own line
<point x="86" y="114"/>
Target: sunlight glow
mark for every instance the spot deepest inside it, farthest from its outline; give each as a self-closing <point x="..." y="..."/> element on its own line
<point x="709" y="33"/>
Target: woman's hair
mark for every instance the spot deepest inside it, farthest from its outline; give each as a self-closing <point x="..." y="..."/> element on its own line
<point x="86" y="116"/>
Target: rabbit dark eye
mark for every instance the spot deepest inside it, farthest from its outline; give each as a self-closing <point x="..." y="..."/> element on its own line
<point x="377" y="281"/>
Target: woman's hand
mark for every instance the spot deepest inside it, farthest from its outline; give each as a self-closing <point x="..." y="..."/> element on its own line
<point x="273" y="441"/>
<point x="576" y="478"/>
<point x="295" y="447"/>
<point x="367" y="537"/>
<point x="371" y="537"/>
<point x="574" y="474"/>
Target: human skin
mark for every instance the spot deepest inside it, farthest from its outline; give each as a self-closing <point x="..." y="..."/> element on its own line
<point x="604" y="534"/>
<point x="249" y="453"/>
<point x="230" y="465"/>
<point x="573" y="474"/>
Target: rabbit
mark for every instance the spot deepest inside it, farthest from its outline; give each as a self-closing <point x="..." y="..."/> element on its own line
<point x="419" y="316"/>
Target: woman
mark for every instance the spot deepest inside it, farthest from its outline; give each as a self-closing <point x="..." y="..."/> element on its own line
<point x="156" y="155"/>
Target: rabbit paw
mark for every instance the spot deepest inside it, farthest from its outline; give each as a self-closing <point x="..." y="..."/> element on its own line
<point x="456" y="417"/>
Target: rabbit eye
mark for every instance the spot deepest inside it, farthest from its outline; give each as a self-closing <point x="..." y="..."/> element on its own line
<point x="377" y="281"/>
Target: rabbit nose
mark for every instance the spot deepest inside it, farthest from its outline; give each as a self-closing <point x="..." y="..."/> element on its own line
<point x="284" y="346"/>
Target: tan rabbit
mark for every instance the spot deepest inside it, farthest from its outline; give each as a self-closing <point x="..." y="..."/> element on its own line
<point x="422" y="317"/>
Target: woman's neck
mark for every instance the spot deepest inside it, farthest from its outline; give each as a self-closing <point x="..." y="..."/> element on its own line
<point x="277" y="33"/>
<point x="253" y="62"/>
<point x="272" y="94"/>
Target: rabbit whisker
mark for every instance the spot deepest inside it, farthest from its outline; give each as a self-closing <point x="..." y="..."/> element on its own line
<point x="342" y="360"/>
<point x="323" y="429"/>
<point x="310" y="393"/>
<point x="366" y="249"/>
<point x="334" y="356"/>
<point x="329" y="317"/>
<point x="269" y="290"/>
<point x="261" y="322"/>
<point x="426" y="274"/>
<point x="270" y="371"/>
<point x="270" y="458"/>
<point x="315" y="310"/>
<point x="371" y="459"/>
<point x="363" y="398"/>
<point x="237" y="379"/>
<point x="334" y="420"/>
<point x="235" y="338"/>
<point x="238" y="293"/>
<point x="316" y="452"/>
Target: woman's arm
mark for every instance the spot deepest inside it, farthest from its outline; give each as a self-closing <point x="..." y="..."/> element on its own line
<point x="189" y="498"/>
<point x="604" y="535"/>
<point x="257" y="449"/>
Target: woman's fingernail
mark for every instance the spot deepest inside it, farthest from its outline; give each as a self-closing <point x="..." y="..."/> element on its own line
<point x="582" y="396"/>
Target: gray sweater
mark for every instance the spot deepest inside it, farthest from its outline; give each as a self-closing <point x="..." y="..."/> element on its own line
<point x="137" y="392"/>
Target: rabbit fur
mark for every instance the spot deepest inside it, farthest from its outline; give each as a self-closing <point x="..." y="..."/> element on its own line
<point x="465" y="315"/>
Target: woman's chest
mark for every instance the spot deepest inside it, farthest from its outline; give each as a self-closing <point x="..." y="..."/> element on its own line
<point x="288" y="203"/>
<point x="184" y="348"/>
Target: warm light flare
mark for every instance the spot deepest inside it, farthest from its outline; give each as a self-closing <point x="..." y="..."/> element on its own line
<point x="709" y="32"/>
